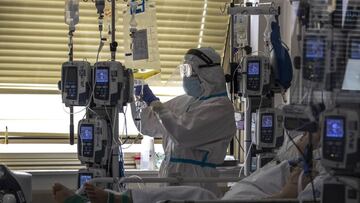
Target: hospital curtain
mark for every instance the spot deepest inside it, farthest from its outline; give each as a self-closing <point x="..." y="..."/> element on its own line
<point x="33" y="38"/>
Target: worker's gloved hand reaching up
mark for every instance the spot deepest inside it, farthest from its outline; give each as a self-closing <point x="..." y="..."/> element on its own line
<point x="146" y="94"/>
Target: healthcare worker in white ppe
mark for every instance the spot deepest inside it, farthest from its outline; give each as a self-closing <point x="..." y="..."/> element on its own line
<point x="197" y="127"/>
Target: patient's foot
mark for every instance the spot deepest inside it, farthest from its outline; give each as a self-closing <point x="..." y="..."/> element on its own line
<point x="61" y="193"/>
<point x="96" y="195"/>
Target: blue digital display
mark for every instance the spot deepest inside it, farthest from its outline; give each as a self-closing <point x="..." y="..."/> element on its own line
<point x="71" y="74"/>
<point x="84" y="178"/>
<point x="86" y="132"/>
<point x="314" y="48"/>
<point x="355" y="50"/>
<point x="267" y="121"/>
<point x="253" y="68"/>
<point x="334" y="128"/>
<point x="102" y="75"/>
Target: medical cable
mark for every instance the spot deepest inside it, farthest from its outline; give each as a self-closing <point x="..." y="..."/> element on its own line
<point x="125" y="127"/>
<point x="306" y="96"/>
<point x="223" y="9"/>
<point x="92" y="88"/>
<point x="121" y="181"/>
<point x="300" y="176"/>
<point x="116" y="141"/>
<point x="312" y="187"/>
<point x="94" y="112"/>
<point x="299" y="185"/>
<point x="233" y="78"/>
<point x="241" y="147"/>
<point x="309" y="164"/>
<point x="68" y="112"/>
<point x="247" y="156"/>
<point x="295" y="86"/>
<point x="112" y="125"/>
<point x="113" y="138"/>
<point x="127" y="137"/>
<point x="293" y="142"/>
<point x="304" y="157"/>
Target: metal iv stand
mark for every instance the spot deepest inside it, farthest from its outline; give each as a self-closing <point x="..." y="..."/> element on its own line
<point x="251" y="102"/>
<point x="71" y="59"/>
<point x="110" y="113"/>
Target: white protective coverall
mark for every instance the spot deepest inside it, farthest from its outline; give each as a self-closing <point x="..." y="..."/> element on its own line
<point x="195" y="131"/>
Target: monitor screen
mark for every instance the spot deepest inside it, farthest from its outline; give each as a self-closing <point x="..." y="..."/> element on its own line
<point x="267" y="121"/>
<point x="355" y="49"/>
<point x="314" y="48"/>
<point x="253" y="68"/>
<point x="102" y="75"/>
<point x="86" y="132"/>
<point x="334" y="127"/>
<point x="84" y="178"/>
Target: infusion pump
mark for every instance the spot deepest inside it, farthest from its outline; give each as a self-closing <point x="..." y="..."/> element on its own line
<point x="75" y="83"/>
<point x="256" y="79"/>
<point x="269" y="128"/>
<point x="94" y="141"/>
<point x="340" y="140"/>
<point x="108" y="83"/>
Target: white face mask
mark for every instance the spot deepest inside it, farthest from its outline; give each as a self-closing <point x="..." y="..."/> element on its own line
<point x="192" y="86"/>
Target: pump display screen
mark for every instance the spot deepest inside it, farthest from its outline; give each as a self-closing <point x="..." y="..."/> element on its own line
<point x="253" y="68"/>
<point x="86" y="132"/>
<point x="84" y="178"/>
<point x="315" y="48"/>
<point x="70" y="81"/>
<point x="267" y="128"/>
<point x="71" y="74"/>
<point x="334" y="128"/>
<point x="355" y="50"/>
<point x="102" y="75"/>
<point x="267" y="121"/>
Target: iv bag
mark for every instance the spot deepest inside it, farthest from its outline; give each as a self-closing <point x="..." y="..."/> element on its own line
<point x="141" y="45"/>
<point x="108" y="16"/>
<point x="71" y="14"/>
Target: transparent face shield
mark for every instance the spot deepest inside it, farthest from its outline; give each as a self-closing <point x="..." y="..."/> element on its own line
<point x="186" y="70"/>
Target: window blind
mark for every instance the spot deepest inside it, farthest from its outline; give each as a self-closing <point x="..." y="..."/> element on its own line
<point x="33" y="38"/>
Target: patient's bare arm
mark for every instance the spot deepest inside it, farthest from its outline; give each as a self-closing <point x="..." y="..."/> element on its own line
<point x="290" y="189"/>
<point x="95" y="195"/>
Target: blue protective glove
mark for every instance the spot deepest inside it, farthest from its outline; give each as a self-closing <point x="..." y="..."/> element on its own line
<point x="148" y="96"/>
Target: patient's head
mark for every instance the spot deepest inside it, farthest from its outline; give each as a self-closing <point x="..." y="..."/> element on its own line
<point x="289" y="151"/>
